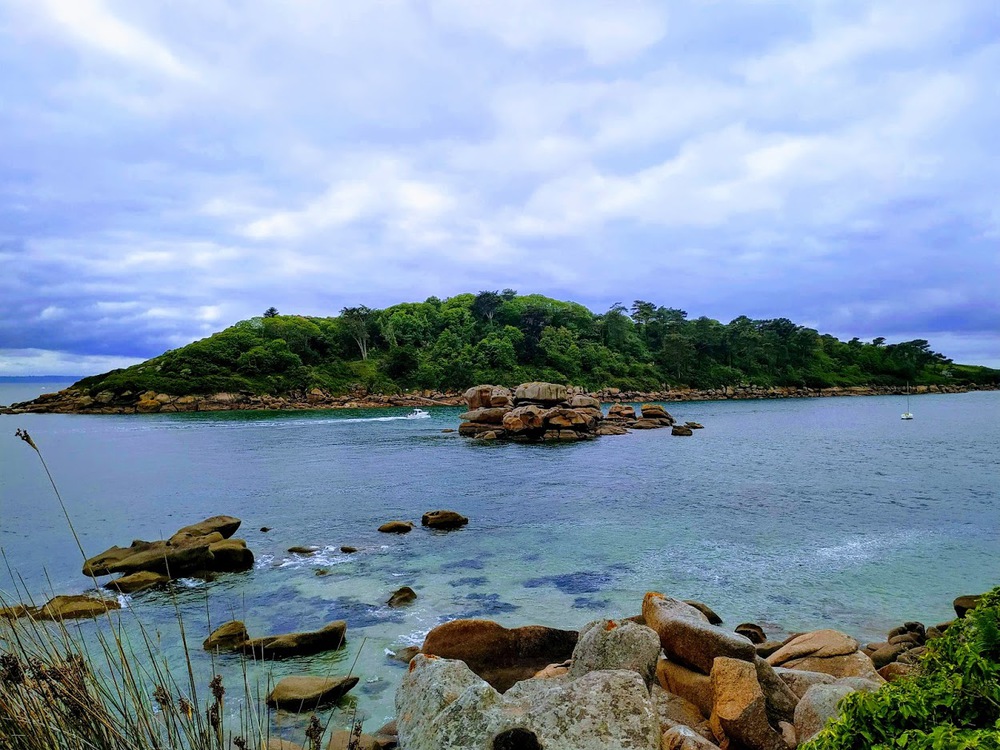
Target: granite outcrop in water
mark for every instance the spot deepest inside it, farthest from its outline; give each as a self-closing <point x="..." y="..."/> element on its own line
<point x="204" y="547"/>
<point x="536" y="412"/>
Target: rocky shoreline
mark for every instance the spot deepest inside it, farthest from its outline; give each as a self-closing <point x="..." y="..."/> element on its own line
<point x="78" y="401"/>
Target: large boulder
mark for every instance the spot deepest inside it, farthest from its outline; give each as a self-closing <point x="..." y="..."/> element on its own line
<point x="674" y="710"/>
<point x="443" y="519"/>
<point x="485" y="415"/>
<point x="966" y="602"/>
<point x="479" y="396"/>
<point x="204" y="546"/>
<point x="656" y="411"/>
<point x="328" y="638"/>
<point x="562" y="418"/>
<point x="135" y="582"/>
<point x="524" y="419"/>
<point x="224" y="525"/>
<point x="582" y="401"/>
<point x="621" y="413"/>
<point x="780" y="699"/>
<point x="499" y="655"/>
<point x="307" y="693"/>
<point x="693" y="686"/>
<point x="800" y="680"/>
<point x="687" y="637"/>
<point x="546" y="394"/>
<point x="622" y="644"/>
<point x="679" y="737"/>
<point x="739" y="712"/>
<point x="845" y="665"/>
<point x="442" y="704"/>
<point x="818" y="705"/>
<point x="818" y="643"/>
<point x="500" y="396"/>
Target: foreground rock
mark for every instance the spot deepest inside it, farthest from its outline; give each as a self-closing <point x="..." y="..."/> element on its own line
<point x="202" y="547"/>
<point x="135" y="582"/>
<point x="499" y="655"/>
<point x="616" y="644"/>
<point x="301" y="693"/>
<point x="442" y="704"/>
<point x="233" y="636"/>
<point x="688" y="638"/>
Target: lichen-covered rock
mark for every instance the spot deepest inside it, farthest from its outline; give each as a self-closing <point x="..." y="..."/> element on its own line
<point x="621" y="413"/>
<point x="621" y="644"/>
<point x="687" y="637"/>
<point x="779" y="698"/>
<point x="307" y="693"/>
<point x="442" y="704"/>
<point x="582" y="401"/>
<point x="524" y="419"/>
<point x="499" y="655"/>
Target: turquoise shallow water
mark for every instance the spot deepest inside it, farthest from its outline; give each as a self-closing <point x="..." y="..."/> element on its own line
<point x="795" y="513"/>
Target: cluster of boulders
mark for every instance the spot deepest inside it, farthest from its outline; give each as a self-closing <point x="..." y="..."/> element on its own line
<point x="73" y="400"/>
<point x="549" y="411"/>
<point x="199" y="550"/>
<point x="670" y="678"/>
<point x="650" y="417"/>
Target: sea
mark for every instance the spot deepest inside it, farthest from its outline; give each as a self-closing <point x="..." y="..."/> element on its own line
<point x="795" y="514"/>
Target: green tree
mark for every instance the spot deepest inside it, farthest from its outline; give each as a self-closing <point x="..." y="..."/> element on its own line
<point x="271" y="312"/>
<point x="359" y="321"/>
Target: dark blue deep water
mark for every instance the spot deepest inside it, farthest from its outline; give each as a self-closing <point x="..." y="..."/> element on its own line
<point x="796" y="514"/>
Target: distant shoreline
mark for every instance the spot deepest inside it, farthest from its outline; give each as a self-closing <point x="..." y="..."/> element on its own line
<point x="73" y="401"/>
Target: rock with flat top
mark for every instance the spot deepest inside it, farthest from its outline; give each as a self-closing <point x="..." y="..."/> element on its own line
<point x="818" y="643"/>
<point x="75" y="606"/>
<point x="328" y="638"/>
<point x="396" y="527"/>
<point x="301" y="693"/>
<point x="547" y="394"/>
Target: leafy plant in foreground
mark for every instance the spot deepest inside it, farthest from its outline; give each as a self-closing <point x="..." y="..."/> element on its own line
<point x="951" y="703"/>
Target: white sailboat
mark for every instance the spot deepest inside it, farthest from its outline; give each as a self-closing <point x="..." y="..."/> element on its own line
<point x="906" y="414"/>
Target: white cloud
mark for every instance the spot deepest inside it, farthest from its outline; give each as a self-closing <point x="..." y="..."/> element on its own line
<point x="91" y="23"/>
<point x="21" y="362"/>
<point x="606" y="32"/>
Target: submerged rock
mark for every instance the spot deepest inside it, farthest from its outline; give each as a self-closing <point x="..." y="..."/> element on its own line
<point x="135" y="582"/>
<point x="402" y="596"/>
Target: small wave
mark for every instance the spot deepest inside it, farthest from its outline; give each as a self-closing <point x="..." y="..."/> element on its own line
<point x="191" y="583"/>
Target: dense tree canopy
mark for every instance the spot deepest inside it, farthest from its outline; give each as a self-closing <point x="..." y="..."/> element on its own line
<point x="506" y="338"/>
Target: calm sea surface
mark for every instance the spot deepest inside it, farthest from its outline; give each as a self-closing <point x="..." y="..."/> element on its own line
<point x="797" y="514"/>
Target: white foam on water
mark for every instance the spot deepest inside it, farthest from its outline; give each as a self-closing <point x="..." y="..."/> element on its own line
<point x="191" y="583"/>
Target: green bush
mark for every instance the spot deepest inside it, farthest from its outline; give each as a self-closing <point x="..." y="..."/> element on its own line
<point x="951" y="703"/>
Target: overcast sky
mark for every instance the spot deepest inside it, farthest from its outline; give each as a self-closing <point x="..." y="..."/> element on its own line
<point x="170" y="168"/>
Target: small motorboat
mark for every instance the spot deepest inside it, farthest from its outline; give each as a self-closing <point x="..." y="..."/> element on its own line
<point x="418" y="414"/>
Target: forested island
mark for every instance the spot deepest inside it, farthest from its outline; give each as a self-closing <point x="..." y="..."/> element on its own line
<point x="506" y="338"/>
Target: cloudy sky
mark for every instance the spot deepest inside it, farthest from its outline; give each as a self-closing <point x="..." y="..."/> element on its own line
<point x="169" y="168"/>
